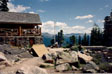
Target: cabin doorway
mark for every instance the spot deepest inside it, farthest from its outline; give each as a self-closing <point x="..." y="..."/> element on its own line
<point x="32" y="41"/>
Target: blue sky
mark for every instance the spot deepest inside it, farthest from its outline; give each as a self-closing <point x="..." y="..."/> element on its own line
<point x="73" y="16"/>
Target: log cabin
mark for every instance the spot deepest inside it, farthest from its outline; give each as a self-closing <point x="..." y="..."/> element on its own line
<point x="20" y="29"/>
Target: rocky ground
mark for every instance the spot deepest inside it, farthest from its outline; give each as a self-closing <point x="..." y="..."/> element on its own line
<point x="15" y="60"/>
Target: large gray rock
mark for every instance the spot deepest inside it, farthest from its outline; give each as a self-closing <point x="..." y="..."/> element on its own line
<point x="90" y="67"/>
<point x="2" y="57"/>
<point x="74" y="56"/>
<point x="12" y="53"/>
<point x="90" y="71"/>
<point x="84" y="58"/>
<point x="74" y="68"/>
<point x="62" y="67"/>
<point x="67" y="57"/>
<point x="47" y="58"/>
<point x="3" y="61"/>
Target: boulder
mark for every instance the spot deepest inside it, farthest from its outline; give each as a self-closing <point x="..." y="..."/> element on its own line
<point x="74" y="56"/>
<point x="12" y="53"/>
<point x="54" y="55"/>
<point x="74" y="68"/>
<point x="2" y="57"/>
<point x="47" y="58"/>
<point x="84" y="58"/>
<point x="8" y="49"/>
<point x="90" y="71"/>
<point x="62" y="67"/>
<point x="67" y="57"/>
<point x="90" y="67"/>
<point x="93" y="65"/>
<point x="63" y="55"/>
<point x="3" y="61"/>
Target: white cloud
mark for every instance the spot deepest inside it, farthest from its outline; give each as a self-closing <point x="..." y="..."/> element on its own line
<point x="32" y="12"/>
<point x="78" y="27"/>
<point x="49" y="28"/>
<point x="84" y="17"/>
<point x="41" y="11"/>
<point x="89" y="21"/>
<point x="58" y="24"/>
<point x="44" y="0"/>
<point x="17" y="8"/>
<point x="88" y="30"/>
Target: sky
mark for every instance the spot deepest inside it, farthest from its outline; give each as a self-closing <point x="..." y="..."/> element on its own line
<point x="72" y="16"/>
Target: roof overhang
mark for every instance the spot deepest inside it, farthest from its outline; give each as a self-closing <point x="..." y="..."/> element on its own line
<point x="19" y="18"/>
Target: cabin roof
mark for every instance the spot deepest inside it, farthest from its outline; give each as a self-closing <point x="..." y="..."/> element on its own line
<point x="19" y="18"/>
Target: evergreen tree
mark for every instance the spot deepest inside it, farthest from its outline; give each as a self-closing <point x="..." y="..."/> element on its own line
<point x="85" y="40"/>
<point x="79" y="40"/>
<point x="52" y="41"/>
<point x="3" y="5"/>
<point x="96" y="35"/>
<point x="88" y="40"/>
<point x="60" y="38"/>
<point x="67" y="45"/>
<point x="72" y="40"/>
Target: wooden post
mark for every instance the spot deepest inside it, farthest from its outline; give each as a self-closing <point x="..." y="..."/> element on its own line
<point x="40" y="31"/>
<point x="20" y="31"/>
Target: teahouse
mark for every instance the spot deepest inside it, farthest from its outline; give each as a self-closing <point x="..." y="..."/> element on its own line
<point x="20" y="29"/>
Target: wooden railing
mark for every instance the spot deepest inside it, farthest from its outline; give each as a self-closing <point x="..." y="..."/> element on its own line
<point x="31" y="32"/>
<point x="25" y="32"/>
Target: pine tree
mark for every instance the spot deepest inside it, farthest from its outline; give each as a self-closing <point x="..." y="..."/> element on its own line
<point x="72" y="40"/>
<point x="52" y="41"/>
<point x="96" y="35"/>
<point x="85" y="40"/>
<point x="60" y="38"/>
<point x="3" y="5"/>
<point x="88" y="40"/>
<point x="79" y="40"/>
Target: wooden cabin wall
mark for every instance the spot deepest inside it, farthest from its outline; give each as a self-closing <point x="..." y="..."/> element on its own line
<point x="21" y="41"/>
<point x="16" y="35"/>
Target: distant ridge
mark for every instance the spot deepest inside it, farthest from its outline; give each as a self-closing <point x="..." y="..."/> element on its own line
<point x="48" y="37"/>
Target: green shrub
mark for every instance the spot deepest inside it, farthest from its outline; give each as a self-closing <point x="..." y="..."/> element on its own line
<point x="97" y="58"/>
<point x="105" y="66"/>
<point x="74" y="48"/>
<point x="83" y="48"/>
<point x="66" y="46"/>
